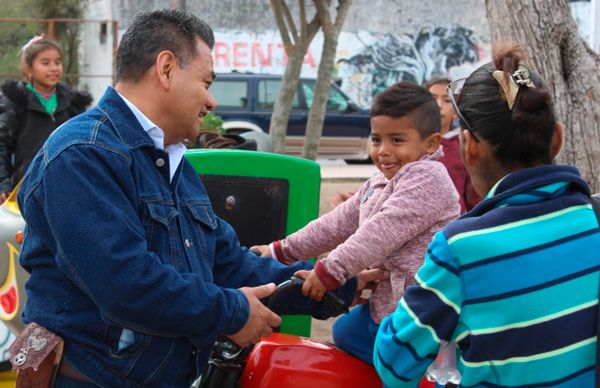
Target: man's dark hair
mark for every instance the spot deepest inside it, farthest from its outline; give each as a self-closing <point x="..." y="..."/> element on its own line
<point x="151" y="32"/>
<point x="406" y="98"/>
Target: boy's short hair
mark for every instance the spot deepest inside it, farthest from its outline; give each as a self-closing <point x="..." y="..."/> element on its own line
<point x="407" y="98"/>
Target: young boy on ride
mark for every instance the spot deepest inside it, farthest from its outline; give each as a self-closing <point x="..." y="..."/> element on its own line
<point x="387" y="223"/>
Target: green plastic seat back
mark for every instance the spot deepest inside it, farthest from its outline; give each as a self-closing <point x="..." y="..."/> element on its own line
<point x="264" y="196"/>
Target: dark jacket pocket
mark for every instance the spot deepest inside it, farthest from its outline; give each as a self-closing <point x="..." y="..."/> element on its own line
<point x="203" y="214"/>
<point x="160" y="212"/>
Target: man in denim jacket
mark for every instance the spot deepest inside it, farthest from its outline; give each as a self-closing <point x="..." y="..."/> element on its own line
<point x="128" y="261"/>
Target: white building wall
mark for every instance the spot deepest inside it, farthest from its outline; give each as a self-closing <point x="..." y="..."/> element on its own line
<point x="595" y="25"/>
<point x="96" y="49"/>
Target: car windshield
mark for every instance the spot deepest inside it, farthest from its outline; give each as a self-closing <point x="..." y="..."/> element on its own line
<point x="267" y="93"/>
<point x="335" y="102"/>
<point x="230" y="93"/>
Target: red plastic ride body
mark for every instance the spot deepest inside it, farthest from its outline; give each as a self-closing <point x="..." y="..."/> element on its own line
<point x="284" y="360"/>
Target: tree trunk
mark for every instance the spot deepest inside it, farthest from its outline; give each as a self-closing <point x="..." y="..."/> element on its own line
<point x="296" y="42"/>
<point x="316" y="115"/>
<point x="566" y="63"/>
<point x="285" y="99"/>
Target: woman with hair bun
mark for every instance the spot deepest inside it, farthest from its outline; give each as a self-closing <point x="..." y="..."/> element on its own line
<point x="513" y="283"/>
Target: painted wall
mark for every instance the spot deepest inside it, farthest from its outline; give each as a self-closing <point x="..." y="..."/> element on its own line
<point x="384" y="41"/>
<point x="367" y="62"/>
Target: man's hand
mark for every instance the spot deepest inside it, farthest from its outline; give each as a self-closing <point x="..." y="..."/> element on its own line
<point x="263" y="249"/>
<point x="261" y="320"/>
<point x="368" y="279"/>
<point x="312" y="286"/>
<point x="339" y="198"/>
<point x="3" y="197"/>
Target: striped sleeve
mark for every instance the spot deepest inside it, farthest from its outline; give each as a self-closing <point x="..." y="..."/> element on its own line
<point x="409" y="339"/>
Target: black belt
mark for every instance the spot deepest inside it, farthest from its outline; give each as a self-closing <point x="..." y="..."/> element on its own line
<point x="67" y="370"/>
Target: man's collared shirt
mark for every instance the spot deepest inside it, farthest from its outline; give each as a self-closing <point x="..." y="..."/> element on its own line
<point x="175" y="151"/>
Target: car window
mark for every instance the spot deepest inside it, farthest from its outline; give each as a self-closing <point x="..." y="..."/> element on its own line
<point x="230" y="93"/>
<point x="267" y="93"/>
<point x="336" y="101"/>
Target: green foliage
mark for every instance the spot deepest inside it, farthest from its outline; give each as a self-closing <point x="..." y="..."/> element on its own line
<point x="213" y="122"/>
<point x="13" y="35"/>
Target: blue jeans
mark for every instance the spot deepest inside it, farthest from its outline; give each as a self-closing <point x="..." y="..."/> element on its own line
<point x="355" y="333"/>
<point x="66" y="382"/>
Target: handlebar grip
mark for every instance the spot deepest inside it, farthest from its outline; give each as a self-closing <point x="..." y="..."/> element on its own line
<point x="331" y="299"/>
<point x="335" y="302"/>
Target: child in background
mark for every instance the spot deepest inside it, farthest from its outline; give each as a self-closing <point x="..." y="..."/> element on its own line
<point x="468" y="197"/>
<point x="388" y="223"/>
<point x="30" y="111"/>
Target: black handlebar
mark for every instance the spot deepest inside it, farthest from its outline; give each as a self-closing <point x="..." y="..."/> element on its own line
<point x="295" y="284"/>
<point x="226" y="364"/>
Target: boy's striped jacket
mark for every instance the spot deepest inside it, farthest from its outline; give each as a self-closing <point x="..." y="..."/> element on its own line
<point x="514" y="283"/>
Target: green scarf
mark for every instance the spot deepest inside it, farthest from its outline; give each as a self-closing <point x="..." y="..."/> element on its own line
<point x="49" y="104"/>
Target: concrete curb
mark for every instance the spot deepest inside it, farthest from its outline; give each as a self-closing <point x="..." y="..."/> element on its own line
<point x="343" y="180"/>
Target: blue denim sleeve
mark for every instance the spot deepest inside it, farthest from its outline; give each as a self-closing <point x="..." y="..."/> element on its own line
<point x="83" y="211"/>
<point x="236" y="267"/>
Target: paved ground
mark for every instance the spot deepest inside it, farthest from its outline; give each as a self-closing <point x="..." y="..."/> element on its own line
<point x="338" y="169"/>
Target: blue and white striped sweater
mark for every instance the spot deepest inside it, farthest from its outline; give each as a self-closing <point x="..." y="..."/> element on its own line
<point x="514" y="283"/>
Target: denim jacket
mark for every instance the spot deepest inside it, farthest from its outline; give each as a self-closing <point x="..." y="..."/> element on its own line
<point x="116" y="252"/>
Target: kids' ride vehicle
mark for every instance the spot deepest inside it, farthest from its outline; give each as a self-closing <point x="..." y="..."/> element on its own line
<point x="284" y="360"/>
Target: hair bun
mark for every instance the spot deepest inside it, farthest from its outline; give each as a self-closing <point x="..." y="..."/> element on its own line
<point x="520" y="134"/>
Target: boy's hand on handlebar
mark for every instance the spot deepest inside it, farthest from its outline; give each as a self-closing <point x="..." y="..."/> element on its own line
<point x="261" y="320"/>
<point x="262" y="249"/>
<point x="312" y="286"/>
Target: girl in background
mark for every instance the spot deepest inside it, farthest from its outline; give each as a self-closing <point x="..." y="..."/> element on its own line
<point x="31" y="110"/>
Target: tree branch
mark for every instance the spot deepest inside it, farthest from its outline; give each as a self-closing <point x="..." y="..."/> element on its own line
<point x="313" y="28"/>
<point x="290" y="22"/>
<point x="342" y="11"/>
<point x="277" y="7"/>
<point x="323" y="14"/>
<point x="303" y="32"/>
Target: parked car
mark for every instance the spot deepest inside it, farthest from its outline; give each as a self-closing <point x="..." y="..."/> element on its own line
<point x="245" y="101"/>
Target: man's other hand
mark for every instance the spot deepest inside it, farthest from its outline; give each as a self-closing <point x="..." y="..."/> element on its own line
<point x="262" y="249"/>
<point x="3" y="197"/>
<point x="368" y="279"/>
<point x="261" y="320"/>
